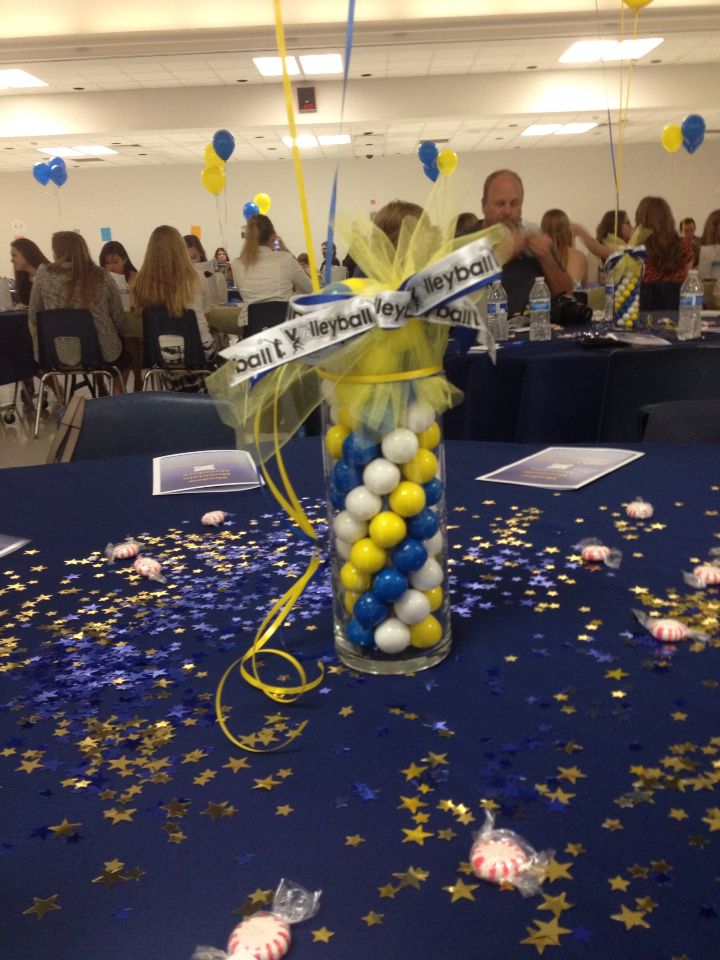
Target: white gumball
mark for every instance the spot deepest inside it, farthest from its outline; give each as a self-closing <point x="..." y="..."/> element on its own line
<point x="362" y="504"/>
<point x="349" y="528"/>
<point x="435" y="544"/>
<point x="400" y="445"/>
<point x="420" y="416"/>
<point x="428" y="576"/>
<point x="343" y="548"/>
<point x="412" y="607"/>
<point x="381" y="476"/>
<point x="392" y="636"/>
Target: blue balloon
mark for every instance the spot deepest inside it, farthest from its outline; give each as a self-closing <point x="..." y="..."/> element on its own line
<point x="390" y="584"/>
<point x="431" y="172"/>
<point x="369" y="610"/>
<point x="223" y="144"/>
<point x="428" y="153"/>
<point x="691" y="147"/>
<point x="58" y="173"/>
<point x="41" y="172"/>
<point x="250" y="210"/>
<point x="409" y="555"/>
<point x="693" y="131"/>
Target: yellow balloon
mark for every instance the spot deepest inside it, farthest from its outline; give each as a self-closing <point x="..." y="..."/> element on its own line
<point x="357" y="284"/>
<point x="637" y="4"/>
<point x="447" y="161"/>
<point x="263" y="202"/>
<point x="211" y="158"/>
<point x="213" y="179"/>
<point x="671" y="137"/>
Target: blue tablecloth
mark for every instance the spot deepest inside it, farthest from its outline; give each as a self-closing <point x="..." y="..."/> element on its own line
<point x="130" y="827"/>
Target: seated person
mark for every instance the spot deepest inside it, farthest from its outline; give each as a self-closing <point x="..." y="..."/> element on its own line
<point x="687" y="231"/>
<point x="533" y="251"/>
<point x="612" y="233"/>
<point x="668" y="256"/>
<point x="556" y="224"/>
<point x="115" y="259"/>
<point x="263" y="273"/>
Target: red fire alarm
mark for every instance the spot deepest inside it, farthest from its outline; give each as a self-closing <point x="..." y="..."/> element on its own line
<point x="306" y="100"/>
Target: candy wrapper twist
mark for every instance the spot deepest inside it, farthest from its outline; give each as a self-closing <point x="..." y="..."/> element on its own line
<point x="705" y="574"/>
<point x="503" y="856"/>
<point x="668" y="630"/>
<point x="266" y="935"/>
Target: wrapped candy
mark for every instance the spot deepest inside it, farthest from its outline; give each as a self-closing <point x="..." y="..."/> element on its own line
<point x="150" y="568"/>
<point x="639" y="509"/>
<point x="705" y="574"/>
<point x="213" y="518"/>
<point x="593" y="550"/>
<point x="668" y="630"/>
<point x="122" y="551"/>
<point x="503" y="856"/>
<point x="266" y="935"/>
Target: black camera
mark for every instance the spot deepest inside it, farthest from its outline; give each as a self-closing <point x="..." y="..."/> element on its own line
<point x="566" y="310"/>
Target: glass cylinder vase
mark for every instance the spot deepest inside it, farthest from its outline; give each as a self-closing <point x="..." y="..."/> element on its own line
<point x="626" y="303"/>
<point x="385" y="488"/>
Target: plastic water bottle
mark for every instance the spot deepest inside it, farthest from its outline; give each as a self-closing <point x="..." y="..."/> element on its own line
<point x="609" y="297"/>
<point x="497" y="311"/>
<point x="691" y="304"/>
<point x="539" y="303"/>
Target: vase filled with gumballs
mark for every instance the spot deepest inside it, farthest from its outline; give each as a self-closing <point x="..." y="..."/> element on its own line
<point x="385" y="485"/>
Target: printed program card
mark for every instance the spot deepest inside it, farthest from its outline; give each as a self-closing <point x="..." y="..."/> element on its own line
<point x="10" y="544"/>
<point x="563" y="468"/>
<point x="204" y="471"/>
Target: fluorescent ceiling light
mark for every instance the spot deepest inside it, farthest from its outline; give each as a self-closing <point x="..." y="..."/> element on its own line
<point x="60" y="151"/>
<point x="272" y="66"/>
<point x="304" y="140"/>
<point x="321" y="63"/>
<point x="540" y="129"/>
<point x="570" y="128"/>
<point x="17" y="79"/>
<point x="633" y="49"/>
<point x="592" y="51"/>
<point x="95" y="150"/>
<point x="334" y="139"/>
<point x="587" y="51"/>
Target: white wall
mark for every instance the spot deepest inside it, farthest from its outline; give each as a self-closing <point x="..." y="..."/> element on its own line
<point x="131" y="201"/>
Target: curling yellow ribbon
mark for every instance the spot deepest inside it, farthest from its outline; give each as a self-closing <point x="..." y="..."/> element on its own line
<point x="381" y="378"/>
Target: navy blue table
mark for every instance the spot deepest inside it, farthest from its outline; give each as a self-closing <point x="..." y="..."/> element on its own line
<point x="130" y="827"/>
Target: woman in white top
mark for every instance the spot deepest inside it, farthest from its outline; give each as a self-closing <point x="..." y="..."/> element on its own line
<point x="265" y="269"/>
<point x="168" y="279"/>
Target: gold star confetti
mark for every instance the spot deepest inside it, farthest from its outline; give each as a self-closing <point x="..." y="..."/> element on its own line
<point x="461" y="890"/>
<point x="413" y="771"/>
<point x="554" y="870"/>
<point x="556" y="905"/>
<point x="41" y="907"/>
<point x="373" y="919"/>
<point x="412" y="877"/>
<point x="284" y="811"/>
<point x="574" y="849"/>
<point x="631" y="918"/>
<point x="545" y="934"/>
<point x="618" y="883"/>
<point x="345" y="711"/>
<point x="354" y="841"/>
<point x="712" y="819"/>
<point x="64" y="829"/>
<point x="322" y="935"/>
<point x="418" y="835"/>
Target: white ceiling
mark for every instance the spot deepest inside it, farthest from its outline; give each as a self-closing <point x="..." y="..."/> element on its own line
<point x="112" y="86"/>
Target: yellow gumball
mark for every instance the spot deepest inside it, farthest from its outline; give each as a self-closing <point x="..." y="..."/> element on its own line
<point x="430" y="438"/>
<point x="407" y="498"/>
<point x="435" y="596"/>
<point x="367" y="556"/>
<point x="426" y="633"/>
<point x="387" y="529"/>
<point x="349" y="600"/>
<point x="353" y="578"/>
<point x="334" y="440"/>
<point x="421" y="468"/>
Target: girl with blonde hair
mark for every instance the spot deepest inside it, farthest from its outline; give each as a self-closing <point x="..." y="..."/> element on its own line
<point x="265" y="269"/>
<point x="556" y="224"/>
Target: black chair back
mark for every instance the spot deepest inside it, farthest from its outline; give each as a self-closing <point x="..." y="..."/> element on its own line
<point x="682" y="421"/>
<point x="638" y="377"/>
<point x="157" y="324"/>
<point x="154" y="424"/>
<point x="660" y="295"/>
<point x="68" y="341"/>
<point x="17" y="361"/>
<point x="264" y="314"/>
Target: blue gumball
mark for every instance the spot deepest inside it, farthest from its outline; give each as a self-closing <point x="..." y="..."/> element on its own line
<point x="423" y="525"/>
<point x="337" y="498"/>
<point x="359" y="635"/>
<point x="409" y="555"/>
<point x="250" y="210"/>
<point x="431" y="171"/>
<point x="390" y="584"/>
<point x="41" y="173"/>
<point x="223" y="144"/>
<point x="428" y="154"/>
<point x="433" y="491"/>
<point x="345" y="476"/>
<point x="359" y="450"/>
<point x="369" y="610"/>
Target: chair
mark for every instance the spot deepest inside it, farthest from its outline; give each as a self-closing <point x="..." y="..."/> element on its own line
<point x="264" y="314"/>
<point x="17" y="360"/>
<point x="682" y="421"/>
<point x="68" y="346"/>
<point x="638" y="377"/>
<point x="660" y="295"/>
<point x="153" y="424"/>
<point x="171" y="345"/>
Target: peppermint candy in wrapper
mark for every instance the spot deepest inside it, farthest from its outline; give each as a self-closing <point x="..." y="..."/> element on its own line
<point x="593" y="550"/>
<point x="502" y="856"/>
<point x="266" y="936"/>
<point x="213" y="518"/>
<point x="150" y="568"/>
<point x="639" y="509"/>
<point x="668" y="630"/>
<point x="122" y="551"/>
<point x="703" y="575"/>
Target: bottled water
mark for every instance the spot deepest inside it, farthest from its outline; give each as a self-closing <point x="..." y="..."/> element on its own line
<point x="497" y="311"/>
<point x="539" y="303"/>
<point x="691" y="304"/>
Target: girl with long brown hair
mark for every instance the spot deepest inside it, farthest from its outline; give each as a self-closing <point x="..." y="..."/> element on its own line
<point x="668" y="256"/>
<point x="265" y="269"/>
